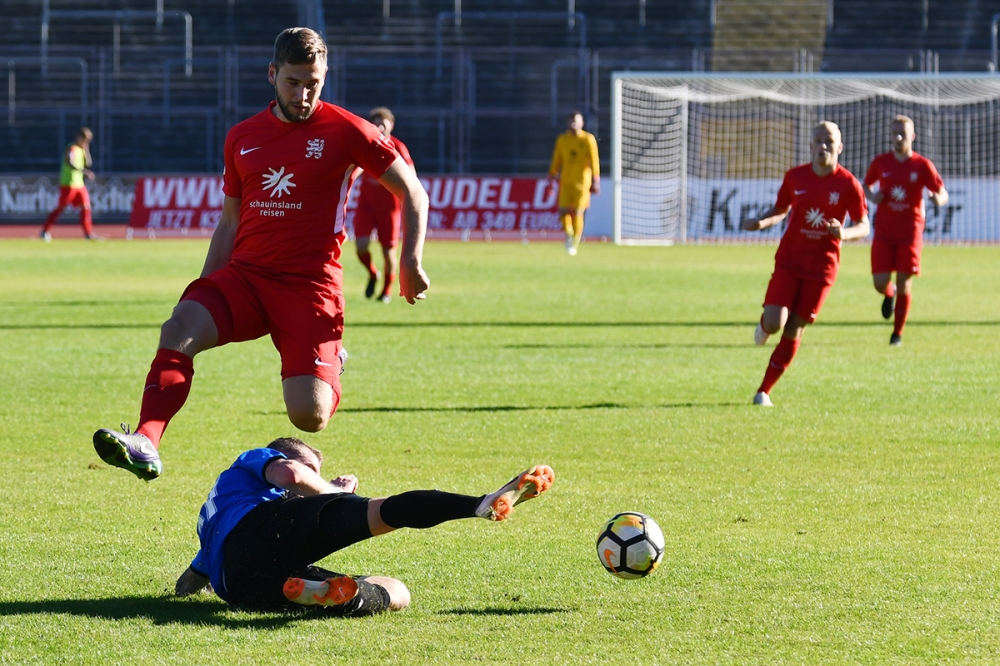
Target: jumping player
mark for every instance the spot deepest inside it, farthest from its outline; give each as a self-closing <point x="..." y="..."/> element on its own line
<point x="76" y="165"/>
<point x="273" y="265"/>
<point x="271" y="515"/>
<point x="378" y="210"/>
<point x="821" y="196"/>
<point x="901" y="175"/>
<point x="576" y="165"/>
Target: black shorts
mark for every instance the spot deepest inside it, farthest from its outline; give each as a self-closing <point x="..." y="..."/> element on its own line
<point x="283" y="538"/>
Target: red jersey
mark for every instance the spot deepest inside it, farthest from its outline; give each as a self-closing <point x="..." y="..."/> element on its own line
<point x="807" y="249"/>
<point x="900" y="216"/>
<point x="293" y="180"/>
<point x="374" y="199"/>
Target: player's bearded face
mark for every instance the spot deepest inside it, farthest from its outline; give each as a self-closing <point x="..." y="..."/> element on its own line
<point x="297" y="89"/>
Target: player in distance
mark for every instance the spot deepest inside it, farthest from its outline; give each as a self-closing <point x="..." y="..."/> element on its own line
<point x="271" y="515"/>
<point x="75" y="167"/>
<point x="821" y="196"/>
<point x="901" y="176"/>
<point x="378" y="210"/>
<point x="273" y="264"/>
<point x="577" y="167"/>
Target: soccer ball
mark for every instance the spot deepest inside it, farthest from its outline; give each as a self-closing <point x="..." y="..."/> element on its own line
<point x="630" y="545"/>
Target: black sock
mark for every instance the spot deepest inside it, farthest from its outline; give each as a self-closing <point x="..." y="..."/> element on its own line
<point x="426" y="508"/>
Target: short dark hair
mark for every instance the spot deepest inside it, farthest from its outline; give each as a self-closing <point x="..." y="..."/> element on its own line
<point x="298" y="46"/>
<point x="380" y="113"/>
<point x="573" y="114"/>
<point x="294" y="447"/>
<point x="85" y="133"/>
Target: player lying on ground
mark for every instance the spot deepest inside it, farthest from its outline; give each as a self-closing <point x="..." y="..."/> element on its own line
<point x="271" y="515"/>
<point x="901" y="175"/>
<point x="273" y="265"/>
<point x="821" y="195"/>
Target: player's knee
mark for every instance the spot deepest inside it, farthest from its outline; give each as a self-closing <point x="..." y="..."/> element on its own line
<point x="172" y="332"/>
<point x="308" y="420"/>
<point x="771" y="324"/>
<point x="399" y="594"/>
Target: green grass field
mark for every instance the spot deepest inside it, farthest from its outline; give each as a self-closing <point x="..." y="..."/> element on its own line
<point x="854" y="523"/>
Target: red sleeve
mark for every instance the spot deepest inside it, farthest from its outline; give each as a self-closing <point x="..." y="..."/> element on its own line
<point x="932" y="179"/>
<point x="403" y="151"/>
<point x="232" y="184"/>
<point x="872" y="176"/>
<point x="367" y="147"/>
<point x="857" y="208"/>
<point x="785" y="192"/>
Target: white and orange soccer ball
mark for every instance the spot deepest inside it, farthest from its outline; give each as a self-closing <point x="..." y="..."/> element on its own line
<point x="630" y="545"/>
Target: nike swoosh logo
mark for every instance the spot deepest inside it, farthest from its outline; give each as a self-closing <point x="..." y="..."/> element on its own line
<point x="328" y="365"/>
<point x="244" y="151"/>
<point x="798" y="192"/>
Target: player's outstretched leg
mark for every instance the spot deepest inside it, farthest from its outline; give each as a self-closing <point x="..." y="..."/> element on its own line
<point x="329" y="592"/>
<point x="130" y="451"/>
<point x="527" y="485"/>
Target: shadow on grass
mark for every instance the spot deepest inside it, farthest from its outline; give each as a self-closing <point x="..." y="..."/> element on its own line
<point x="513" y="408"/>
<point x="505" y="611"/>
<point x="160" y="610"/>
<point x="528" y="324"/>
<point x="574" y="345"/>
<point x="173" y="610"/>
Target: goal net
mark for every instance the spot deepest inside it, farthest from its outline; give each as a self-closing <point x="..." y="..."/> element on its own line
<point x="693" y="155"/>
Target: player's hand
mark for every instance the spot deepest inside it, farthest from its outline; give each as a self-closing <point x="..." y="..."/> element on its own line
<point x="89" y="174"/>
<point x="595" y="187"/>
<point x="836" y="228"/>
<point x="190" y="583"/>
<point x="413" y="281"/>
<point x="347" y="483"/>
<point x="877" y="197"/>
<point x="751" y="224"/>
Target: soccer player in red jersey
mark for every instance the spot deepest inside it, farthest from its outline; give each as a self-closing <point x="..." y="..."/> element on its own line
<point x="273" y="265"/>
<point x="821" y="196"/>
<point x="378" y="211"/>
<point x="901" y="175"/>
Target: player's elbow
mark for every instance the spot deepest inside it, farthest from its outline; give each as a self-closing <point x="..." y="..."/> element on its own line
<point x="287" y="474"/>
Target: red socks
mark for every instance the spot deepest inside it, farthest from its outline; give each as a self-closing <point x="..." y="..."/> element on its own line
<point x="167" y="386"/>
<point x="389" y="279"/>
<point x="781" y="358"/>
<point x="86" y="222"/>
<point x="890" y="289"/>
<point x="902" y="309"/>
<point x="366" y="261"/>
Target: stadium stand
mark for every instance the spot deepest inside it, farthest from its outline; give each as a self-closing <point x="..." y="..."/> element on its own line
<point x="486" y="93"/>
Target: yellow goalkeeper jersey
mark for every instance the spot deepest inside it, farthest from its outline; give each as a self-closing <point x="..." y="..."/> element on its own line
<point x="576" y="162"/>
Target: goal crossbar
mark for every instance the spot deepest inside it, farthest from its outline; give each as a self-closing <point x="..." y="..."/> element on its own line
<point x="694" y="153"/>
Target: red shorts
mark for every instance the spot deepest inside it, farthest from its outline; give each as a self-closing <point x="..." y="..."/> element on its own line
<point x="900" y="257"/>
<point x="305" y="319"/>
<point x="801" y="297"/>
<point x="385" y="224"/>
<point x="73" y="196"/>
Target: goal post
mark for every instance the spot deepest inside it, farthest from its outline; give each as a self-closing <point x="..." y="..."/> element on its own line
<point x="694" y="154"/>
